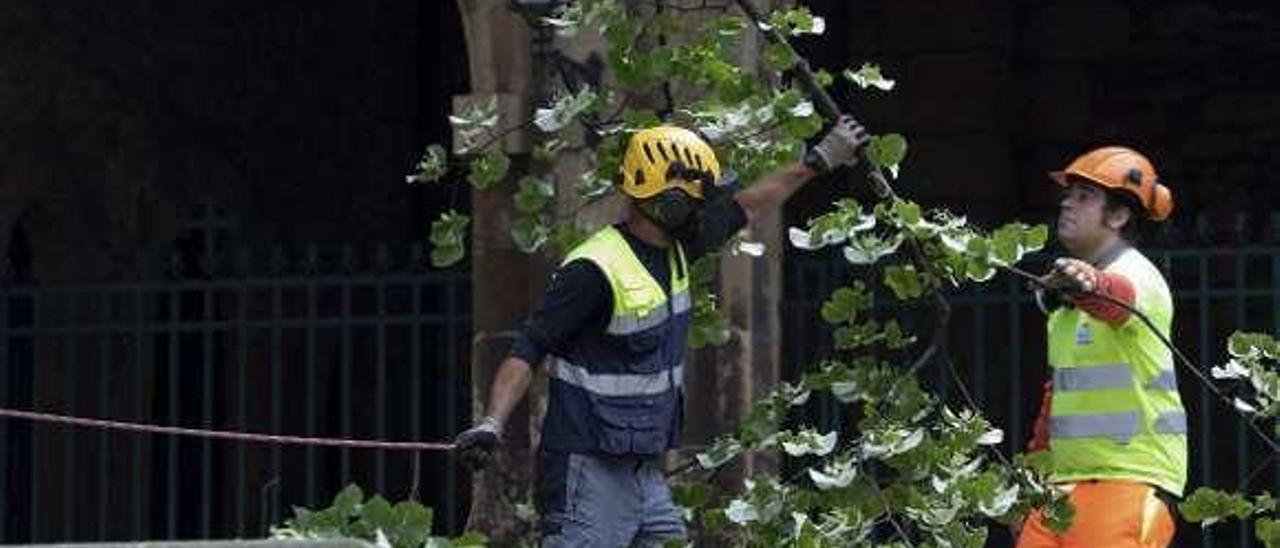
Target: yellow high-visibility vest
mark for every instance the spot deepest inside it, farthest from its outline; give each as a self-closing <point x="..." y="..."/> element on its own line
<point x="1116" y="413"/>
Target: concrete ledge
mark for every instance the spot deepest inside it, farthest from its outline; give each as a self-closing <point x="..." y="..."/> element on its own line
<point x="333" y="543"/>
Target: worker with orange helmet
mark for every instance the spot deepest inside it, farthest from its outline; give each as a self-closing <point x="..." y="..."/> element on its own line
<point x="1111" y="418"/>
<point x="614" y="321"/>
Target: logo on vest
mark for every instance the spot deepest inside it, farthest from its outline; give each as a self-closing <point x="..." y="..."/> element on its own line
<point x="1084" y="336"/>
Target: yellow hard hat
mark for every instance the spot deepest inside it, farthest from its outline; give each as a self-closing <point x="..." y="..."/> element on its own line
<point x="666" y="157"/>
<point x="1124" y="170"/>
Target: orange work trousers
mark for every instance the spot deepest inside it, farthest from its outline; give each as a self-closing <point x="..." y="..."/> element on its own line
<point x="1117" y="514"/>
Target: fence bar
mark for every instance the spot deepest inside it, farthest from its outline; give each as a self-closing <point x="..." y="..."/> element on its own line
<point x="171" y="503"/>
<point x="345" y="388"/>
<point x="979" y="372"/>
<point x="5" y="375"/>
<point x="380" y="416"/>
<point x="69" y="462"/>
<point x="415" y="373"/>
<point x="104" y="410"/>
<point x="242" y="414"/>
<point x="1242" y="451"/>
<point x="207" y="394"/>
<point x="140" y="351"/>
<point x="451" y="368"/>
<point x="36" y="492"/>
<point x="277" y="413"/>
<point x="311" y="390"/>
<point x="1015" y="367"/>
<point x="1206" y="401"/>
<point x="1275" y="328"/>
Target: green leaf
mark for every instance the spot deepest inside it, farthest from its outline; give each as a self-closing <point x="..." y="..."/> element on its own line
<point x="905" y="282"/>
<point x="447" y="238"/>
<point x="870" y="248"/>
<point x="778" y="56"/>
<point x="443" y="256"/>
<point x="488" y="169"/>
<point x="1207" y="506"/>
<point x="722" y="450"/>
<point x="824" y="78"/>
<point x="470" y="539"/>
<point x="433" y="165"/>
<point x="1058" y="514"/>
<point x="908" y="213"/>
<point x="1035" y="238"/>
<point x="347" y="502"/>
<point x="377" y="512"/>
<point x="530" y="233"/>
<point x="887" y="151"/>
<point x="894" y="337"/>
<point x="473" y="123"/>
<point x="1268" y="531"/>
<point x="534" y="194"/>
<point x="564" y="110"/>
<point x="545" y="152"/>
<point x="640" y="119"/>
<point x="845" y="303"/>
<point x="869" y="76"/>
<point x="808" y="442"/>
<point x="1006" y="246"/>
<point x="710" y="326"/>
<point x="797" y="21"/>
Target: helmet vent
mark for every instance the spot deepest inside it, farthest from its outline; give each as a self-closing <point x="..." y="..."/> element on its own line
<point x="1134" y="176"/>
<point x="649" y="153"/>
<point x="638" y="180"/>
<point x="663" y="150"/>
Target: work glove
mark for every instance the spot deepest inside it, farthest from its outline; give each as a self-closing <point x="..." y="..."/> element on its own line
<point x="1072" y="276"/>
<point x="475" y="445"/>
<point x="839" y="147"/>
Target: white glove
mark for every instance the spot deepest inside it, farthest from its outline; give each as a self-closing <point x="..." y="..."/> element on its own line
<point x="839" y="147"/>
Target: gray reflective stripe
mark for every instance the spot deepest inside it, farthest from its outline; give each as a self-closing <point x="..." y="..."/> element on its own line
<point x="628" y="324"/>
<point x="1166" y="380"/>
<point x="1099" y="377"/>
<point x="1118" y="426"/>
<point x="1171" y="422"/>
<point x="680" y="301"/>
<point x="618" y="385"/>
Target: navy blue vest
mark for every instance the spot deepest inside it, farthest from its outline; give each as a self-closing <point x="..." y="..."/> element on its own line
<point x="617" y="391"/>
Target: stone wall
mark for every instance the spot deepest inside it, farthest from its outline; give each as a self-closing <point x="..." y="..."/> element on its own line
<point x="299" y="124"/>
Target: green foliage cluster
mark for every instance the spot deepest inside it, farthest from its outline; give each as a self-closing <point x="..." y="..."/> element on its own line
<point x="1252" y="373"/>
<point x="405" y="524"/>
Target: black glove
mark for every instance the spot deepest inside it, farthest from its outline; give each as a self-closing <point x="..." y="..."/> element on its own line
<point x="475" y="445"/>
<point x="839" y="147"/>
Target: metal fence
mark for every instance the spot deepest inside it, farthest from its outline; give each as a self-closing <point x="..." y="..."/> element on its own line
<point x="997" y="344"/>
<point x="382" y="354"/>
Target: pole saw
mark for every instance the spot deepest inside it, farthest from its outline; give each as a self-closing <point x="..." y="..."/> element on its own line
<point x="879" y="184"/>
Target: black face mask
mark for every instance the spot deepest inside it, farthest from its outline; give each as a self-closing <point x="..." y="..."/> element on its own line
<point x="676" y="212"/>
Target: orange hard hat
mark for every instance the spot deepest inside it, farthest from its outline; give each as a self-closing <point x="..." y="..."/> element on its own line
<point x="1124" y="170"/>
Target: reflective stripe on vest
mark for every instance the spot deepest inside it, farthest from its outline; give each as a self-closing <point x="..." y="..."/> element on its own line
<point x="626" y="324"/>
<point x="1118" y="426"/>
<point x="1171" y="422"/>
<point x="1096" y="377"/>
<point x="617" y="385"/>
<point x="1166" y="380"/>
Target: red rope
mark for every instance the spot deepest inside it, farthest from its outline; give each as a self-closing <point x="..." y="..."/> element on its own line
<point x="224" y="435"/>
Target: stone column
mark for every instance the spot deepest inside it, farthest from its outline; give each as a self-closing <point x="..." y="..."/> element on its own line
<point x="505" y="281"/>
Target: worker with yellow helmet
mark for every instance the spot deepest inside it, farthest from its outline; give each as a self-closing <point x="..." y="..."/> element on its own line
<point x="613" y="322"/>
<point x="1111" y="418"/>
